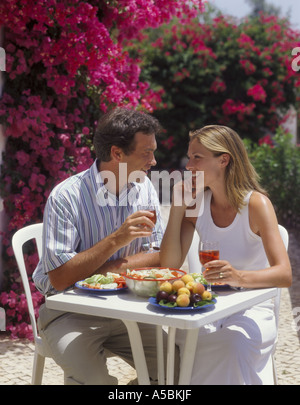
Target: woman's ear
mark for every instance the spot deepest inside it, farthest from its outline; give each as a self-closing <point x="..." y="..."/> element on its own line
<point x="225" y="159"/>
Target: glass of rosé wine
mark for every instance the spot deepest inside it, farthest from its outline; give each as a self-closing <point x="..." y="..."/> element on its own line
<point x="152" y="209"/>
<point x="208" y="251"/>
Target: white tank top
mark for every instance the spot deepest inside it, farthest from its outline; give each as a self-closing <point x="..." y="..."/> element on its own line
<point x="238" y="244"/>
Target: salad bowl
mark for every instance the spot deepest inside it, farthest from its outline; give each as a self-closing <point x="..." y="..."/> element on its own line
<point x="145" y="281"/>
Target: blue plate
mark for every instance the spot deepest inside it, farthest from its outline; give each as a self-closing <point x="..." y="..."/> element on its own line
<point x="98" y="290"/>
<point x="218" y="286"/>
<point x="152" y="301"/>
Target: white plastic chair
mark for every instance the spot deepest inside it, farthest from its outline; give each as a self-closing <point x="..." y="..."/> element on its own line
<point x="193" y="255"/>
<point x="285" y="237"/>
<point x="195" y="267"/>
<point x="20" y="237"/>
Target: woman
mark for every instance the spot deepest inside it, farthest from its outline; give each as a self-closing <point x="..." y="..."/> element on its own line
<point x="238" y="214"/>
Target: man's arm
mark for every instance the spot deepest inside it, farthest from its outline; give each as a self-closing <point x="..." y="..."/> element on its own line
<point x="136" y="261"/>
<point x="89" y="261"/>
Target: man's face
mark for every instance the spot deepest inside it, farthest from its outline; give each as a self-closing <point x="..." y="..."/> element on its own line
<point x="142" y="158"/>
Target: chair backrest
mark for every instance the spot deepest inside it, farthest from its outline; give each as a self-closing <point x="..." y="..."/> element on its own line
<point x="20" y="237"/>
<point x="193" y="256"/>
<point x="285" y="238"/>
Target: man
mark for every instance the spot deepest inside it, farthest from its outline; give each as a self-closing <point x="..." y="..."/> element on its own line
<point x="93" y="223"/>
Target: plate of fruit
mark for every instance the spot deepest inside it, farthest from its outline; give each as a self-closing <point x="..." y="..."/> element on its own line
<point x="184" y="294"/>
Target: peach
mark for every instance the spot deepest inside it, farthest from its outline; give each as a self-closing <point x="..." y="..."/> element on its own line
<point x="166" y="286"/>
<point x="178" y="284"/>
<point x="184" y="291"/>
<point x="186" y="278"/>
<point x="183" y="300"/>
<point x="190" y="285"/>
<point x="198" y="288"/>
<point x="206" y="296"/>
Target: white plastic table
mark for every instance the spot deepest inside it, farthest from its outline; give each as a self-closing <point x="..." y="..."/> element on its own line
<point x="132" y="309"/>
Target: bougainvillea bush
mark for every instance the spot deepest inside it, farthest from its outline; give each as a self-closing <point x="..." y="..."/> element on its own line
<point x="236" y="73"/>
<point x="65" y="64"/>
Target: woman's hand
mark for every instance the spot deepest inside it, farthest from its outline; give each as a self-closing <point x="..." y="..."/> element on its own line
<point x="221" y="271"/>
<point x="188" y="193"/>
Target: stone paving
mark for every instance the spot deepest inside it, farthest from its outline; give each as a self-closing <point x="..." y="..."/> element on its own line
<point x="16" y="356"/>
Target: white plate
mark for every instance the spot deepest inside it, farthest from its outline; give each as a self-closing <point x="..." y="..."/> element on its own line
<point x="99" y="290"/>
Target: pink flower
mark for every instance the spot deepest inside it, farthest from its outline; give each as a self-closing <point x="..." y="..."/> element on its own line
<point x="257" y="93"/>
<point x="267" y="139"/>
<point x="66" y="140"/>
<point x="268" y="71"/>
<point x="248" y="67"/>
<point x="218" y="86"/>
<point x="231" y="107"/>
<point x="169" y="142"/>
<point x="181" y="75"/>
<point x="22" y="157"/>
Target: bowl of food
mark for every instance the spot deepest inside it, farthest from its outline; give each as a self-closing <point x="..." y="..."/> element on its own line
<point x="146" y="281"/>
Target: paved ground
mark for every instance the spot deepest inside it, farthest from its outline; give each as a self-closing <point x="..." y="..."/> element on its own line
<point x="16" y="356"/>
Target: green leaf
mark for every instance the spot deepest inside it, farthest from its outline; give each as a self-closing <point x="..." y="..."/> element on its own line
<point x="165" y="303"/>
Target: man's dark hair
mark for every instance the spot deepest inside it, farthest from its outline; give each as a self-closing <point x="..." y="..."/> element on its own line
<point x="118" y="128"/>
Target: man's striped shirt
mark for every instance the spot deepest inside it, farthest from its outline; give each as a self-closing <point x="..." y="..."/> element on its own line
<point x="80" y="212"/>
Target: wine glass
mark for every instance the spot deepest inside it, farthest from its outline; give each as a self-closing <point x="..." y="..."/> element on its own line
<point x="208" y="250"/>
<point x="152" y="209"/>
<point x="153" y="219"/>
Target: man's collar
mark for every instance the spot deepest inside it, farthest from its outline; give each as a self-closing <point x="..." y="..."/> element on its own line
<point x="101" y="191"/>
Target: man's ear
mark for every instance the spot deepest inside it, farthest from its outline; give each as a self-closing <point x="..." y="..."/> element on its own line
<point x="116" y="153"/>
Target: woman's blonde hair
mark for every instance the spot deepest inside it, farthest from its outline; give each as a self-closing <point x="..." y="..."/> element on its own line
<point x="240" y="175"/>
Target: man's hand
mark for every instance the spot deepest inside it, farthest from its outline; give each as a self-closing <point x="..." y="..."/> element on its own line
<point x="137" y="225"/>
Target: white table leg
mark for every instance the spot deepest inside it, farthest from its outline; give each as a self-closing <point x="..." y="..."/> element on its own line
<point x="138" y="352"/>
<point x="2" y="320"/>
<point x="160" y="355"/>
<point x="171" y="355"/>
<point x="188" y="356"/>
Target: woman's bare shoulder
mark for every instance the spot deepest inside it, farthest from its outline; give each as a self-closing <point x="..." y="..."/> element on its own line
<point x="261" y="210"/>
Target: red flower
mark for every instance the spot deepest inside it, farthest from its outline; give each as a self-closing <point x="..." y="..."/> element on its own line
<point x="257" y="93"/>
<point x="169" y="142"/>
<point x="247" y="66"/>
<point x="267" y="139"/>
<point x="218" y="86"/>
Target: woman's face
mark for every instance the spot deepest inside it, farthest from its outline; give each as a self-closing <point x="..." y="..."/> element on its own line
<point x="201" y="159"/>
